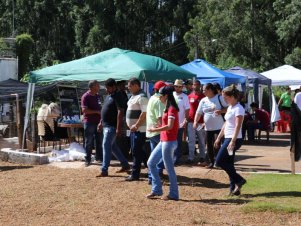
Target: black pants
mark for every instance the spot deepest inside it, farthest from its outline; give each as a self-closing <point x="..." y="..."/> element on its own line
<point x="211" y="151"/>
<point x="138" y="151"/>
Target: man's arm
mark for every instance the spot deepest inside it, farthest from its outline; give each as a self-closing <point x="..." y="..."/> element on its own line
<point x="139" y="122"/>
<point x="88" y="111"/>
<point x="120" y="113"/>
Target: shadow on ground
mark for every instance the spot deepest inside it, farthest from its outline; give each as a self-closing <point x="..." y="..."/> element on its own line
<point x="274" y="194"/>
<point x="199" y="182"/>
<point x="237" y="201"/>
<point x="7" y="168"/>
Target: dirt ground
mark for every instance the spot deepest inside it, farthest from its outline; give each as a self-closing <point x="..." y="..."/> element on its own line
<point x="70" y="194"/>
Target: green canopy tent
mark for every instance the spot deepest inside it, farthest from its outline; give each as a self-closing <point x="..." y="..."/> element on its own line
<point x="115" y="63"/>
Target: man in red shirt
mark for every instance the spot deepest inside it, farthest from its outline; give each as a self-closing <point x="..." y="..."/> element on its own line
<point x="261" y="121"/>
<point x="194" y="99"/>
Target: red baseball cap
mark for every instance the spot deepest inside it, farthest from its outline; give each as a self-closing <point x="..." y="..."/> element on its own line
<point x="158" y="85"/>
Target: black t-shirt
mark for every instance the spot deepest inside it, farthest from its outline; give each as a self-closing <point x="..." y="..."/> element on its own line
<point x="110" y="108"/>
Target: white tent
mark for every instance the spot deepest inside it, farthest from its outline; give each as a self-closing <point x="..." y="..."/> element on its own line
<point x="285" y="75"/>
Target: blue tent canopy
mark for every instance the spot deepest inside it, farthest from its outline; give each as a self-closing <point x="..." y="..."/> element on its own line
<point x="207" y="73"/>
<point x="254" y="78"/>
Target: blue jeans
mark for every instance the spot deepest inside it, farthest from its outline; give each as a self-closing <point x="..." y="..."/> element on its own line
<point x="153" y="142"/>
<point x="138" y="151"/>
<point x="110" y="147"/>
<point x="226" y="161"/>
<point x="166" y="150"/>
<point x="91" y="135"/>
<point x="201" y="134"/>
<point x="178" y="151"/>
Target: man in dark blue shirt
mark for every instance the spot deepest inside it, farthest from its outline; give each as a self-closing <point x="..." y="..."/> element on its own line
<point x="111" y="122"/>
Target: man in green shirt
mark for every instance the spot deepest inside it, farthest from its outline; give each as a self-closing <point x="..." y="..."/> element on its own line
<point x="285" y="101"/>
<point x="155" y="109"/>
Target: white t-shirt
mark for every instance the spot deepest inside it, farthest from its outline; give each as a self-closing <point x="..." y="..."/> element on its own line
<point x="230" y="117"/>
<point x="207" y="106"/>
<point x="297" y="100"/>
<point x="183" y="104"/>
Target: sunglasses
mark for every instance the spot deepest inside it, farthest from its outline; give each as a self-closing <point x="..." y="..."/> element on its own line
<point x="178" y="86"/>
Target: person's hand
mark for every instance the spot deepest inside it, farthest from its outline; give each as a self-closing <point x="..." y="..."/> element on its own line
<point x="99" y="127"/>
<point x="183" y="124"/>
<point x="134" y="128"/>
<point x="152" y="129"/>
<point x="195" y="125"/>
<point x="118" y="132"/>
<point x="231" y="145"/>
<point x="217" y="143"/>
<point x="218" y="112"/>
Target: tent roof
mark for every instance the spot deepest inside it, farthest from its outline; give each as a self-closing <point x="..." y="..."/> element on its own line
<point x="114" y="63"/>
<point x="10" y="86"/>
<point x="284" y="76"/>
<point x="208" y="73"/>
<point x="253" y="77"/>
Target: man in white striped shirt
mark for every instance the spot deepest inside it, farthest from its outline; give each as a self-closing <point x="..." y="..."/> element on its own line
<point x="136" y="121"/>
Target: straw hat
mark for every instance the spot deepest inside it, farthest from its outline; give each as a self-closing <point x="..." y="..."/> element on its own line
<point x="179" y="82"/>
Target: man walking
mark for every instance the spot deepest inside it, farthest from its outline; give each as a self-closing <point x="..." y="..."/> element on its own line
<point x="194" y="99"/>
<point x="183" y="104"/>
<point x="136" y="121"/>
<point x="111" y="122"/>
<point x="90" y="104"/>
<point x="155" y="110"/>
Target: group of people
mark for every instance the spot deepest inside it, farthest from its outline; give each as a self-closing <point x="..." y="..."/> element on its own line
<point x="212" y="115"/>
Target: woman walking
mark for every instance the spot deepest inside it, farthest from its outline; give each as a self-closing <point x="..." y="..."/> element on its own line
<point x="211" y="108"/>
<point x="233" y="138"/>
<point x="166" y="147"/>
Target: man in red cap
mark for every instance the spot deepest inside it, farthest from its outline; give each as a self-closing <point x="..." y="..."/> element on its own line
<point x="155" y="109"/>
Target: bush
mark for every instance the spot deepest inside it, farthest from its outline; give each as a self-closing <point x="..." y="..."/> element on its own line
<point x="24" y="44"/>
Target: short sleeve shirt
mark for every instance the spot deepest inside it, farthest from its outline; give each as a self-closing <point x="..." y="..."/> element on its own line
<point x="155" y="109"/>
<point x="194" y="100"/>
<point x="230" y="117"/>
<point x="264" y="117"/>
<point x="170" y="135"/>
<point x="286" y="100"/>
<point x="136" y="105"/>
<point x="91" y="102"/>
<point x="109" y="112"/>
<point x="297" y="100"/>
<point x="207" y="107"/>
<point x="183" y="104"/>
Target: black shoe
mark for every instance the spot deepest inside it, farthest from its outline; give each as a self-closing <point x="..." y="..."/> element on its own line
<point x="87" y="163"/>
<point x="103" y="174"/>
<point x="131" y="178"/>
<point x="232" y="194"/>
<point x="238" y="186"/>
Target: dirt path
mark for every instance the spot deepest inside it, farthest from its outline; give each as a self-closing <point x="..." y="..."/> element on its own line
<point x="69" y="194"/>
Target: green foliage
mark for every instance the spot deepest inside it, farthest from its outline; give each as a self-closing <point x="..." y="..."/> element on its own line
<point x="294" y="58"/>
<point x="2" y="44"/>
<point x="24" y="44"/>
<point x="255" y="34"/>
<point x="273" y="192"/>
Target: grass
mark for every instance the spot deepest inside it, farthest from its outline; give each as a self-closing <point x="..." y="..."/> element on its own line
<point x="272" y="192"/>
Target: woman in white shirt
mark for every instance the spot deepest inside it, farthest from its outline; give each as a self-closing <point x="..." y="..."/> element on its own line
<point x="233" y="138"/>
<point x="211" y="108"/>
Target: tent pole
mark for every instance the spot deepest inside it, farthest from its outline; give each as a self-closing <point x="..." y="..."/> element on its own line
<point x="31" y="87"/>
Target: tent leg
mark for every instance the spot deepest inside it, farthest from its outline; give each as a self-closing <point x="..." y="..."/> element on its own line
<point x="292" y="154"/>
